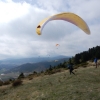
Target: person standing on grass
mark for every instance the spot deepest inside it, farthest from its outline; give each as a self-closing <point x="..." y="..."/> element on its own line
<point x="70" y="67"/>
<point x="96" y="60"/>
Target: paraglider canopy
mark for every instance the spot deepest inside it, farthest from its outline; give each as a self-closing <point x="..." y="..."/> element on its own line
<point x="57" y="45"/>
<point x="69" y="17"/>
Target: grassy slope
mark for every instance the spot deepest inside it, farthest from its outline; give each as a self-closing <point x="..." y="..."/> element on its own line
<point x="85" y="85"/>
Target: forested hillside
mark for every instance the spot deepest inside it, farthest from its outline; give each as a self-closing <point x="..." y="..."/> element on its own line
<point x="86" y="55"/>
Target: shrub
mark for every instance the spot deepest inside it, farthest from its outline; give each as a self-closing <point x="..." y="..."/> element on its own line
<point x="21" y="76"/>
<point x="17" y="83"/>
<point x="11" y="79"/>
<point x="6" y="83"/>
<point x="1" y="83"/>
<point x="34" y="72"/>
<point x="84" y="64"/>
<point x="76" y="66"/>
<point x="30" y="78"/>
<point x="53" y="71"/>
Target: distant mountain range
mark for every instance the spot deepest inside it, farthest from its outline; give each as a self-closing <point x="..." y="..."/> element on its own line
<point x="38" y="67"/>
<point x="29" y="60"/>
<point x="30" y="64"/>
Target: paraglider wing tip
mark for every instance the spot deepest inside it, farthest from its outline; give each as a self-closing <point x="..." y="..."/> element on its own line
<point x="38" y="30"/>
<point x="38" y="33"/>
<point x="38" y="26"/>
<point x="88" y="32"/>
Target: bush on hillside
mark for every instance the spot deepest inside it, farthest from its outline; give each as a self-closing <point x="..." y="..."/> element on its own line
<point x="6" y="83"/>
<point x="11" y="79"/>
<point x="1" y="83"/>
<point x="21" y="76"/>
<point x="17" y="83"/>
<point x="30" y="78"/>
<point x="34" y="73"/>
<point x="53" y="71"/>
<point x="84" y="64"/>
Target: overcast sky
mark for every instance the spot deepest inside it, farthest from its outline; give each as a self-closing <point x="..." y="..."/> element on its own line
<point x="19" y="19"/>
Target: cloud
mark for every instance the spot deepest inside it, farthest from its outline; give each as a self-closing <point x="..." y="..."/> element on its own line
<point x="11" y="11"/>
<point x="19" y="19"/>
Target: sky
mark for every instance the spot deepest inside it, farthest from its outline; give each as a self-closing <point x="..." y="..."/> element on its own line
<point x="19" y="19"/>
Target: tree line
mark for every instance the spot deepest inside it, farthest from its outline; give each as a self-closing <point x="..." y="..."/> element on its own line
<point x="87" y="55"/>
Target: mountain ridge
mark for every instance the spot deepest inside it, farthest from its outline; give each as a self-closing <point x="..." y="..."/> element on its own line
<point x="40" y="66"/>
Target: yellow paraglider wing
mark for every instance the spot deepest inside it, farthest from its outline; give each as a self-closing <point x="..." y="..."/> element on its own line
<point x="70" y="17"/>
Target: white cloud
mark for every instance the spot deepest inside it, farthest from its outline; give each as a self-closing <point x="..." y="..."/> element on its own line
<point x="18" y="22"/>
<point x="11" y="11"/>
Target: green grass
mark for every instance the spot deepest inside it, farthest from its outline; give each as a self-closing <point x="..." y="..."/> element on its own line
<point x="85" y="85"/>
